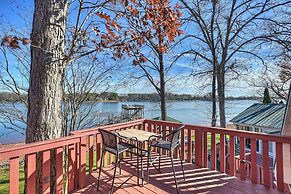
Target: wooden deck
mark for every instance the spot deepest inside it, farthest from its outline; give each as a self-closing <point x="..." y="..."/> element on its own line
<point x="198" y="180"/>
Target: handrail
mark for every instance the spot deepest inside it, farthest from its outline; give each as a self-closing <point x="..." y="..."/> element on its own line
<point x="25" y="149"/>
<point x="89" y="140"/>
<point x="117" y="125"/>
<point x="200" y="136"/>
<point x="224" y="131"/>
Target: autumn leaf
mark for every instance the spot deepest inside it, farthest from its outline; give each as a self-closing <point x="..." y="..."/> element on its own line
<point x="109" y="30"/>
<point x="11" y="42"/>
<point x="135" y="12"/>
<point x="103" y="16"/>
<point x="143" y="59"/>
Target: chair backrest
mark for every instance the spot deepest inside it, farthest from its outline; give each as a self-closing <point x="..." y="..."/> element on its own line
<point x="176" y="137"/>
<point x="109" y="139"/>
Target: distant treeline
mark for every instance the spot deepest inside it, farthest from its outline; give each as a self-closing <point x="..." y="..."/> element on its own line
<point x="177" y="97"/>
<point x="112" y="96"/>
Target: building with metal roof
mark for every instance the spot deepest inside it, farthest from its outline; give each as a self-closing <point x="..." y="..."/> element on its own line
<point x="267" y="116"/>
<point x="171" y="119"/>
<point x="262" y="118"/>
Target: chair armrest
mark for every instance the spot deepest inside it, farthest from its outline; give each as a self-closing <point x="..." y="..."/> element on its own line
<point x="154" y="136"/>
<point x="125" y="138"/>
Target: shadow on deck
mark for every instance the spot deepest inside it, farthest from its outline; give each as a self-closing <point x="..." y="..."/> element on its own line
<point x="198" y="180"/>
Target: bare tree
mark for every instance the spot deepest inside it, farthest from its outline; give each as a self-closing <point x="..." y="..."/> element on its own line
<point x="147" y="31"/>
<point x="14" y="71"/>
<point x="276" y="74"/>
<point x="84" y="82"/>
<point x="224" y="32"/>
<point x="276" y="77"/>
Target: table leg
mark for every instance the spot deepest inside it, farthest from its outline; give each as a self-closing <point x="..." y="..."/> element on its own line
<point x="148" y="164"/>
<point x="141" y="161"/>
<point x="137" y="156"/>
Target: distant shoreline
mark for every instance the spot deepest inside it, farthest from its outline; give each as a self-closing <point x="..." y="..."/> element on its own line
<point x="191" y="111"/>
<point x="133" y="97"/>
<point x="227" y="99"/>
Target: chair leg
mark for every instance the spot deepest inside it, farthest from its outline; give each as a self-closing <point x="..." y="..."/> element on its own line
<point x="102" y="155"/>
<point x="116" y="163"/>
<point x="160" y="160"/>
<point x="181" y="163"/>
<point x="119" y="163"/>
<point x="148" y="164"/>
<point x="137" y="165"/>
<point x="119" y="166"/>
<point x="174" y="172"/>
<point x="142" y="173"/>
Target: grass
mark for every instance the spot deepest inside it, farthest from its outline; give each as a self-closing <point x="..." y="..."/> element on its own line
<point x="217" y="138"/>
<point x="4" y="180"/>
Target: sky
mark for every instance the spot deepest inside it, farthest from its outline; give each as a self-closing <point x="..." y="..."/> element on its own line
<point x="18" y="14"/>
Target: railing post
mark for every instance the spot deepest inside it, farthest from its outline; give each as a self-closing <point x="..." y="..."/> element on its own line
<point x="71" y="167"/>
<point x="59" y="170"/>
<point x="91" y="150"/>
<point x="189" y="146"/>
<point x="98" y="149"/>
<point x="77" y="166"/>
<point x="82" y="169"/>
<point x="14" y="175"/>
<point x="46" y="172"/>
<point x="213" y="151"/>
<point x="198" y="148"/>
<point x="164" y="128"/>
<point x="182" y="144"/>
<point x="279" y="166"/>
<point x="266" y="173"/>
<point x="232" y="155"/>
<point x="242" y="147"/>
<point x="205" y="150"/>
<point x="254" y="177"/>
<point x="222" y="153"/>
<point x="31" y="173"/>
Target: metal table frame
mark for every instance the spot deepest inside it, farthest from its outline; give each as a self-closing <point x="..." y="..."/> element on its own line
<point x="140" y="141"/>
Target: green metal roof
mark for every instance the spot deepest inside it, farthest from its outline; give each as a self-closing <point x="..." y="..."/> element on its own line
<point x="262" y="115"/>
<point x="168" y="119"/>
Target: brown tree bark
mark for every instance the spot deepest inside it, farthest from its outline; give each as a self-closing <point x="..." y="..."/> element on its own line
<point x="162" y="88"/>
<point x="213" y="96"/>
<point x="46" y="76"/>
<point x="221" y="94"/>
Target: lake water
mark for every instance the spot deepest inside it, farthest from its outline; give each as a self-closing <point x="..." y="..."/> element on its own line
<point x="192" y="112"/>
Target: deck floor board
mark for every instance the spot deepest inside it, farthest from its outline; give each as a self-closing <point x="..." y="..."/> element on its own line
<point x="198" y="180"/>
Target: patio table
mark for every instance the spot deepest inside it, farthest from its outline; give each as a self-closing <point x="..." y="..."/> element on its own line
<point x="140" y="137"/>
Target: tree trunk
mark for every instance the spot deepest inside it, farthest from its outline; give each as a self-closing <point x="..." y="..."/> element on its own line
<point x="46" y="76"/>
<point x="162" y="88"/>
<point x="221" y="94"/>
<point x="213" y="96"/>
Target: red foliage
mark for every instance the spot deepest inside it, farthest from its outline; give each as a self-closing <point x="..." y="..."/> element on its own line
<point x="155" y="22"/>
<point x="13" y="41"/>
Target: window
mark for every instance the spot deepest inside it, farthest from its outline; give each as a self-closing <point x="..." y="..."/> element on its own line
<point x="258" y="145"/>
<point x="248" y="141"/>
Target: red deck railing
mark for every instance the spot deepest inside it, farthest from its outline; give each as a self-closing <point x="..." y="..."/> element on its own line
<point x="87" y="143"/>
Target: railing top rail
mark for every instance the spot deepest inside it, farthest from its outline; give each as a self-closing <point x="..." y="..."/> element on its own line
<point x="75" y="136"/>
<point x="94" y="130"/>
<point x="233" y="132"/>
<point x="37" y="147"/>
